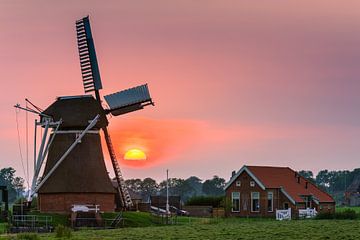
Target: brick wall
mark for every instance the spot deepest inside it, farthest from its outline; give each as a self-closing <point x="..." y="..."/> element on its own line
<point x="245" y="198"/>
<point x="62" y="202"/>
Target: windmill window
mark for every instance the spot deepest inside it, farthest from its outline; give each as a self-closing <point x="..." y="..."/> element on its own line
<point x="238" y="183"/>
<point x="252" y="183"/>
<point x="255" y="202"/>
<point x="235" y="196"/>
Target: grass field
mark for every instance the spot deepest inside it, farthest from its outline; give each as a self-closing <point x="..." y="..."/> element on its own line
<point x="234" y="229"/>
<point x="231" y="229"/>
<point x="141" y="226"/>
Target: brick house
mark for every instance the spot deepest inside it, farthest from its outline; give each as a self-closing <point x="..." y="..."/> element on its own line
<point x="259" y="191"/>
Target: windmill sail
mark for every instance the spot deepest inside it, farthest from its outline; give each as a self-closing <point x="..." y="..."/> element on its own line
<point x="88" y="62"/>
<point x="128" y="100"/>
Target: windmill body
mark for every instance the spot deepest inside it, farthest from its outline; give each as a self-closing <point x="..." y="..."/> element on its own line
<point x="82" y="177"/>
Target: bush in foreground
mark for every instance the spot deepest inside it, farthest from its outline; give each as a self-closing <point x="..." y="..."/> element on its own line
<point x="63" y="232"/>
<point x="27" y="236"/>
<point x="347" y="214"/>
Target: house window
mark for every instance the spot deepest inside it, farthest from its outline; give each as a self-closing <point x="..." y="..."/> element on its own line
<point x="270" y="204"/>
<point x="235" y="201"/>
<point x="286" y="205"/>
<point x="238" y="183"/>
<point x="252" y="184"/>
<point x="255" y="201"/>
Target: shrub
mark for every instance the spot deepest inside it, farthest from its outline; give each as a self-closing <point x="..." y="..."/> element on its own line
<point x="347" y="214"/>
<point x="214" y="201"/>
<point x="28" y="236"/>
<point x="63" y="232"/>
<point x="325" y="215"/>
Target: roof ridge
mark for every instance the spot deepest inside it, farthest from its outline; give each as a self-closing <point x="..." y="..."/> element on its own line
<point x="266" y="166"/>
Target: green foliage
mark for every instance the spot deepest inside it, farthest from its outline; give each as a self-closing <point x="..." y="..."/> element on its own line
<point x="214" y="201"/>
<point x="28" y="236"/>
<point x="214" y="186"/>
<point x="4" y="227"/>
<point x="346" y="214"/>
<point x="57" y="219"/>
<point x="342" y="209"/>
<point x="148" y="187"/>
<point x="14" y="184"/>
<point x="177" y="187"/>
<point x="63" y="232"/>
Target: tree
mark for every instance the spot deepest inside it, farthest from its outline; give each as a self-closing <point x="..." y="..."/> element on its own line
<point x="148" y="187"/>
<point x="177" y="187"/>
<point x="308" y="175"/>
<point x="14" y="184"/>
<point x="196" y="184"/>
<point x="214" y="186"/>
<point x="134" y="184"/>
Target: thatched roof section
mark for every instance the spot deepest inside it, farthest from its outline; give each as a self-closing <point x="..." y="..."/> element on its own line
<point x="82" y="171"/>
<point x="76" y="112"/>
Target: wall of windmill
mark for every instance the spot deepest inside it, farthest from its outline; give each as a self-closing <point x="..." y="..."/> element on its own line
<point x="62" y="202"/>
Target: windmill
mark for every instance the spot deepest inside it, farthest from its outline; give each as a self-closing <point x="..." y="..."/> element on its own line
<point x="122" y="102"/>
<point x="74" y="169"/>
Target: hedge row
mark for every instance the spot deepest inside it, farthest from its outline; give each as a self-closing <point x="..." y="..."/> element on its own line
<point x="347" y="214"/>
<point x="214" y="201"/>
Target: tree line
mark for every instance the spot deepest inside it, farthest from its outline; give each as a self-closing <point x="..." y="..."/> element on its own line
<point x="186" y="188"/>
<point x="333" y="182"/>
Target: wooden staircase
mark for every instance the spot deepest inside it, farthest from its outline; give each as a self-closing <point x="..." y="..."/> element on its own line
<point x="125" y="198"/>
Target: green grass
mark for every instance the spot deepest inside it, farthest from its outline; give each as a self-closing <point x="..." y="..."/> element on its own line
<point x="57" y="219"/>
<point x="3" y="227"/>
<point x="341" y="209"/>
<point x="133" y="219"/>
<point x="219" y="228"/>
<point x="231" y="228"/>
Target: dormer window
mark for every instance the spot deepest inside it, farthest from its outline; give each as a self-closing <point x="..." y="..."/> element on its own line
<point x="238" y="183"/>
<point x="252" y="183"/>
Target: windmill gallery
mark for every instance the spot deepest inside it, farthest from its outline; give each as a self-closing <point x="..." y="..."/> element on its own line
<point x="74" y="171"/>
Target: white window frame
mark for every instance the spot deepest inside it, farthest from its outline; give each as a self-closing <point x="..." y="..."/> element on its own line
<point x="251" y="198"/>
<point x="238" y="183"/>
<point x="252" y="183"/>
<point x="232" y="201"/>
<point x="272" y="201"/>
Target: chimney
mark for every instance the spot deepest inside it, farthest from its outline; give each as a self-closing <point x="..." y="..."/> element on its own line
<point x="306" y="184"/>
<point x="233" y="173"/>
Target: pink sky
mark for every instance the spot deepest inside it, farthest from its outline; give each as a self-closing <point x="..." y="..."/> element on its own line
<point x="234" y="82"/>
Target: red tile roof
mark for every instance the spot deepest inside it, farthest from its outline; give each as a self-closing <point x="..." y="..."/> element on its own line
<point x="286" y="178"/>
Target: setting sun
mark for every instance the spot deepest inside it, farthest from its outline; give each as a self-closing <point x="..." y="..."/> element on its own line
<point x="135" y="154"/>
